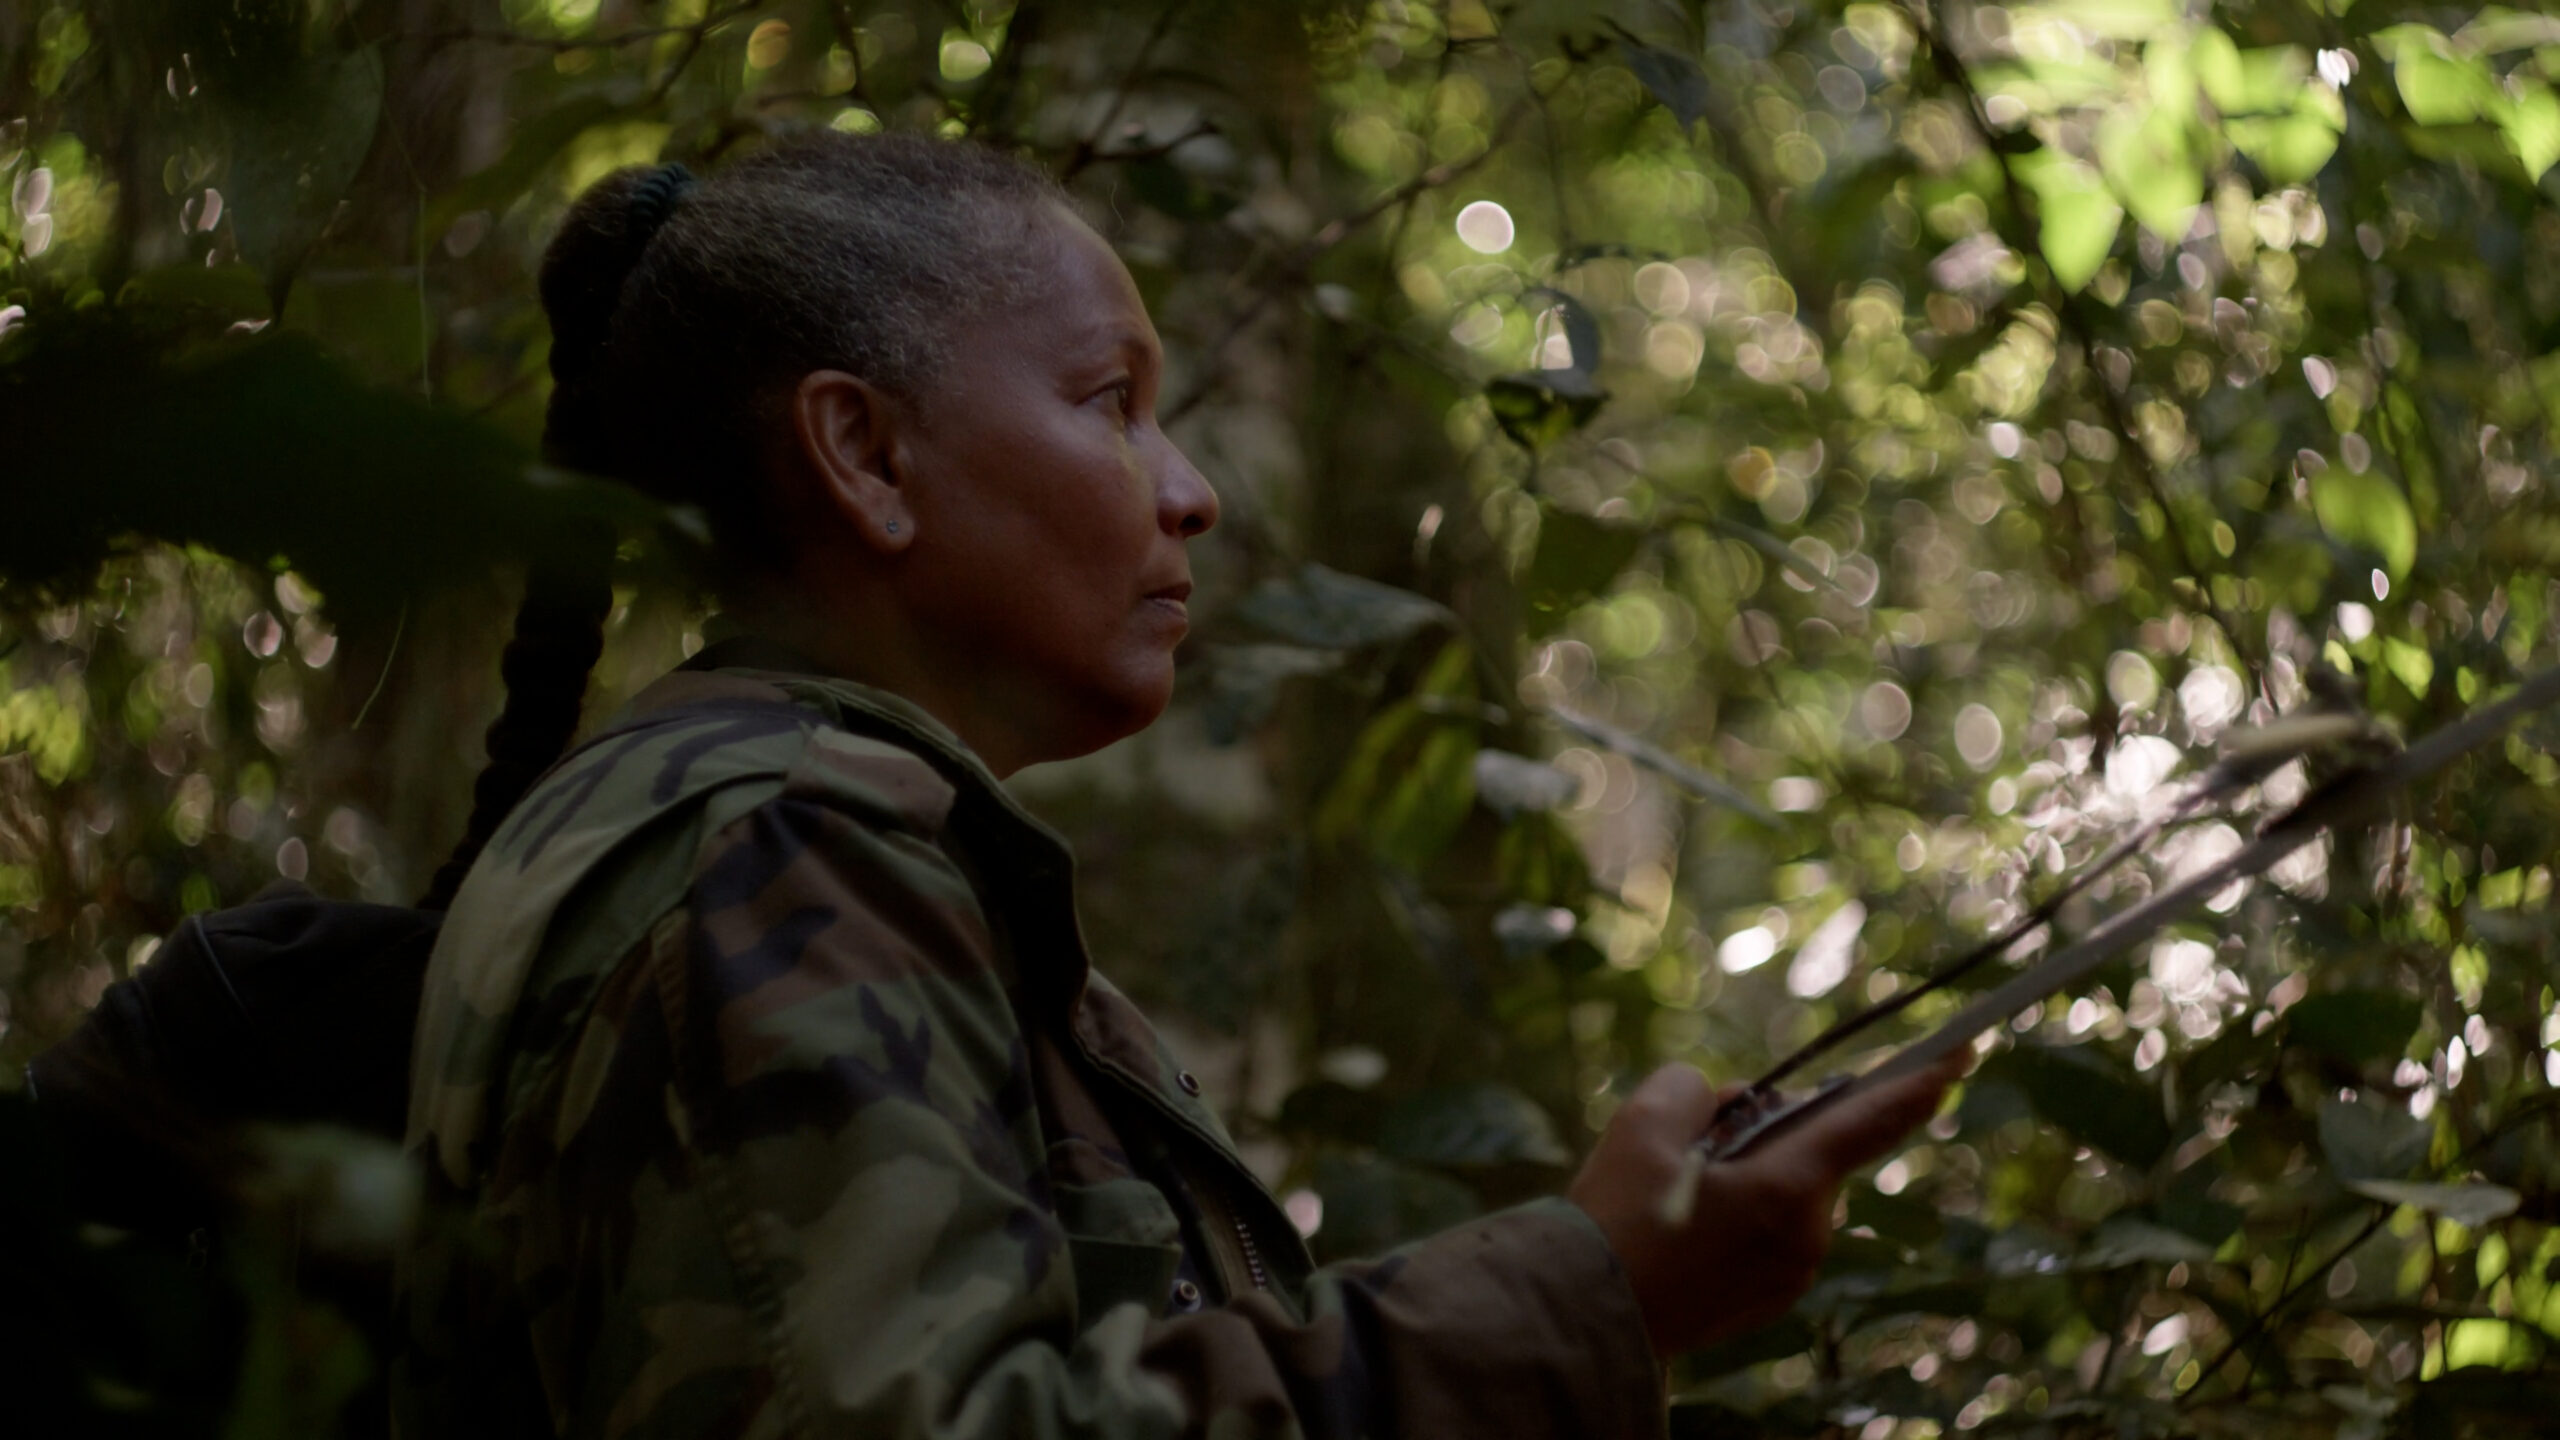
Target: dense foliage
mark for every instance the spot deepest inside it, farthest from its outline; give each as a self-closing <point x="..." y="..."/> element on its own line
<point x="1725" y="503"/>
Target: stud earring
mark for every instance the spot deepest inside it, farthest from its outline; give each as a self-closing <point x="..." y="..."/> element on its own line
<point x="893" y="527"/>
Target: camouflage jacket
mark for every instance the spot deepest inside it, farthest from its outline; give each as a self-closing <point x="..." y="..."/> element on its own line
<point x="764" y="1088"/>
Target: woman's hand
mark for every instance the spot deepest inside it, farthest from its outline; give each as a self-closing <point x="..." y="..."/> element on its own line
<point x="1749" y="1243"/>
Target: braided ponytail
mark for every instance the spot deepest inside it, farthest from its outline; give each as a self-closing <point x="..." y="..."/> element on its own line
<point x="559" y="627"/>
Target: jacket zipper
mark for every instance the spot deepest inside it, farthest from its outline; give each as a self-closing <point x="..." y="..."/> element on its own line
<point x="1252" y="1252"/>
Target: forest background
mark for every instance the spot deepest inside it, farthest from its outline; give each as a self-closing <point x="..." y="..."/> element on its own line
<point x="1725" y="504"/>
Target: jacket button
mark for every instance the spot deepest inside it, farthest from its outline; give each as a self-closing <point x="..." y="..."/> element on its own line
<point x="1189" y="1082"/>
<point x="1186" y="1296"/>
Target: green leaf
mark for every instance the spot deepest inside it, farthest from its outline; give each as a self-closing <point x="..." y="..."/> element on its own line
<point x="1899" y="1218"/>
<point x="2248" y="82"/>
<point x="1244" y="683"/>
<point x="2367" y="510"/>
<point x="1163" y="184"/>
<point x="1512" y="785"/>
<point x="2085" y="1094"/>
<point x="1468" y="1125"/>
<point x="1674" y="80"/>
<point x="2365" y="1142"/>
<point x="1331" y="1110"/>
<point x="2148" y="162"/>
<point x="2411" y="663"/>
<point x="1790" y="1336"/>
<point x="1372" y="1204"/>
<point x="268" y="447"/>
<point x="2356" y="1026"/>
<point x="1328" y="610"/>
<point x="534" y="145"/>
<point x="2437" y="86"/>
<point x="2472" y="1205"/>
<point x="2289" y="148"/>
<point x="2077" y="218"/>
<point x="1577" y="558"/>
<point x="1428" y="802"/>
<point x="2498" y="29"/>
<point x="294" y="148"/>
<point x="2124" y="1240"/>
<point x="2532" y="125"/>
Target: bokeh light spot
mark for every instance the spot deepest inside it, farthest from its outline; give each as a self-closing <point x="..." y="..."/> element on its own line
<point x="1978" y="736"/>
<point x="1485" y="227"/>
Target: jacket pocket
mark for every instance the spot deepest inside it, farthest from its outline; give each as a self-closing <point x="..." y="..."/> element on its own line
<point x="1124" y="1243"/>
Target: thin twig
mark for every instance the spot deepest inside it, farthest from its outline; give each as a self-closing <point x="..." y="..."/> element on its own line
<point x="1200" y="130"/>
<point x="1089" y="148"/>
<point x="398" y="629"/>
<point x="849" y="36"/>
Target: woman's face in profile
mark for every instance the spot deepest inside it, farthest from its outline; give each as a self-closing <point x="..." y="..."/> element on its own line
<point x="1050" y="512"/>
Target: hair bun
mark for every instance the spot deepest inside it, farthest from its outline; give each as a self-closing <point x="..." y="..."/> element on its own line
<point x="651" y="202"/>
<point x="601" y="242"/>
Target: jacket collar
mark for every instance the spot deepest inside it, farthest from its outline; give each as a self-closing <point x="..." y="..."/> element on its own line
<point x="872" y="709"/>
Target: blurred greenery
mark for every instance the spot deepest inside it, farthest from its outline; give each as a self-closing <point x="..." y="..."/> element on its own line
<point x="1725" y="503"/>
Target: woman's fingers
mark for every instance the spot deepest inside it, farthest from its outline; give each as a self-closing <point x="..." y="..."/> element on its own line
<point x="1674" y="1104"/>
<point x="1850" y="1132"/>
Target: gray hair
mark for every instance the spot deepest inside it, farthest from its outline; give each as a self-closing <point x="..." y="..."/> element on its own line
<point x="671" y="357"/>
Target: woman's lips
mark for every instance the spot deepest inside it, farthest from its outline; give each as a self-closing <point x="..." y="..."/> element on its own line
<point x="1172" y="599"/>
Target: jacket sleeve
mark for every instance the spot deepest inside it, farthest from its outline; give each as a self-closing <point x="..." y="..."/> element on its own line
<point x="844" y="1227"/>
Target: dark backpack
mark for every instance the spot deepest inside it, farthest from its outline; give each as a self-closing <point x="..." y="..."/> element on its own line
<point x="289" y="1009"/>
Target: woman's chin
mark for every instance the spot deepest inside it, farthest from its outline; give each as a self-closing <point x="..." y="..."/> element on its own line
<point x="1112" y="714"/>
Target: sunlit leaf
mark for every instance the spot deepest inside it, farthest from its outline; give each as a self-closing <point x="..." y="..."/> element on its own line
<point x="2413" y="666"/>
<point x="2499" y="28"/>
<point x="2438" y="86"/>
<point x="2077" y="217"/>
<point x="2367" y="510"/>
<point x="2532" y="123"/>
<point x="2289" y="148"/>
<point x="2145" y="156"/>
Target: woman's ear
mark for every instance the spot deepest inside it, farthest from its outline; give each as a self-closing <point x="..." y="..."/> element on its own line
<point x="846" y="428"/>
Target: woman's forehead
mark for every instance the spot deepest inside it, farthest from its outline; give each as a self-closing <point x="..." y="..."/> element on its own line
<point x="1079" y="302"/>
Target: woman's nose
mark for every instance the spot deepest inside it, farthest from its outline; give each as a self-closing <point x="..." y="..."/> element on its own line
<point x="1185" y="505"/>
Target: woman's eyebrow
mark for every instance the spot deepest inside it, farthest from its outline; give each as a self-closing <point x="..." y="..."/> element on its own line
<point x="1124" y="342"/>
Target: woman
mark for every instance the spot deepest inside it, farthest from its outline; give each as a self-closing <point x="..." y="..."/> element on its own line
<point x="763" y="1080"/>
